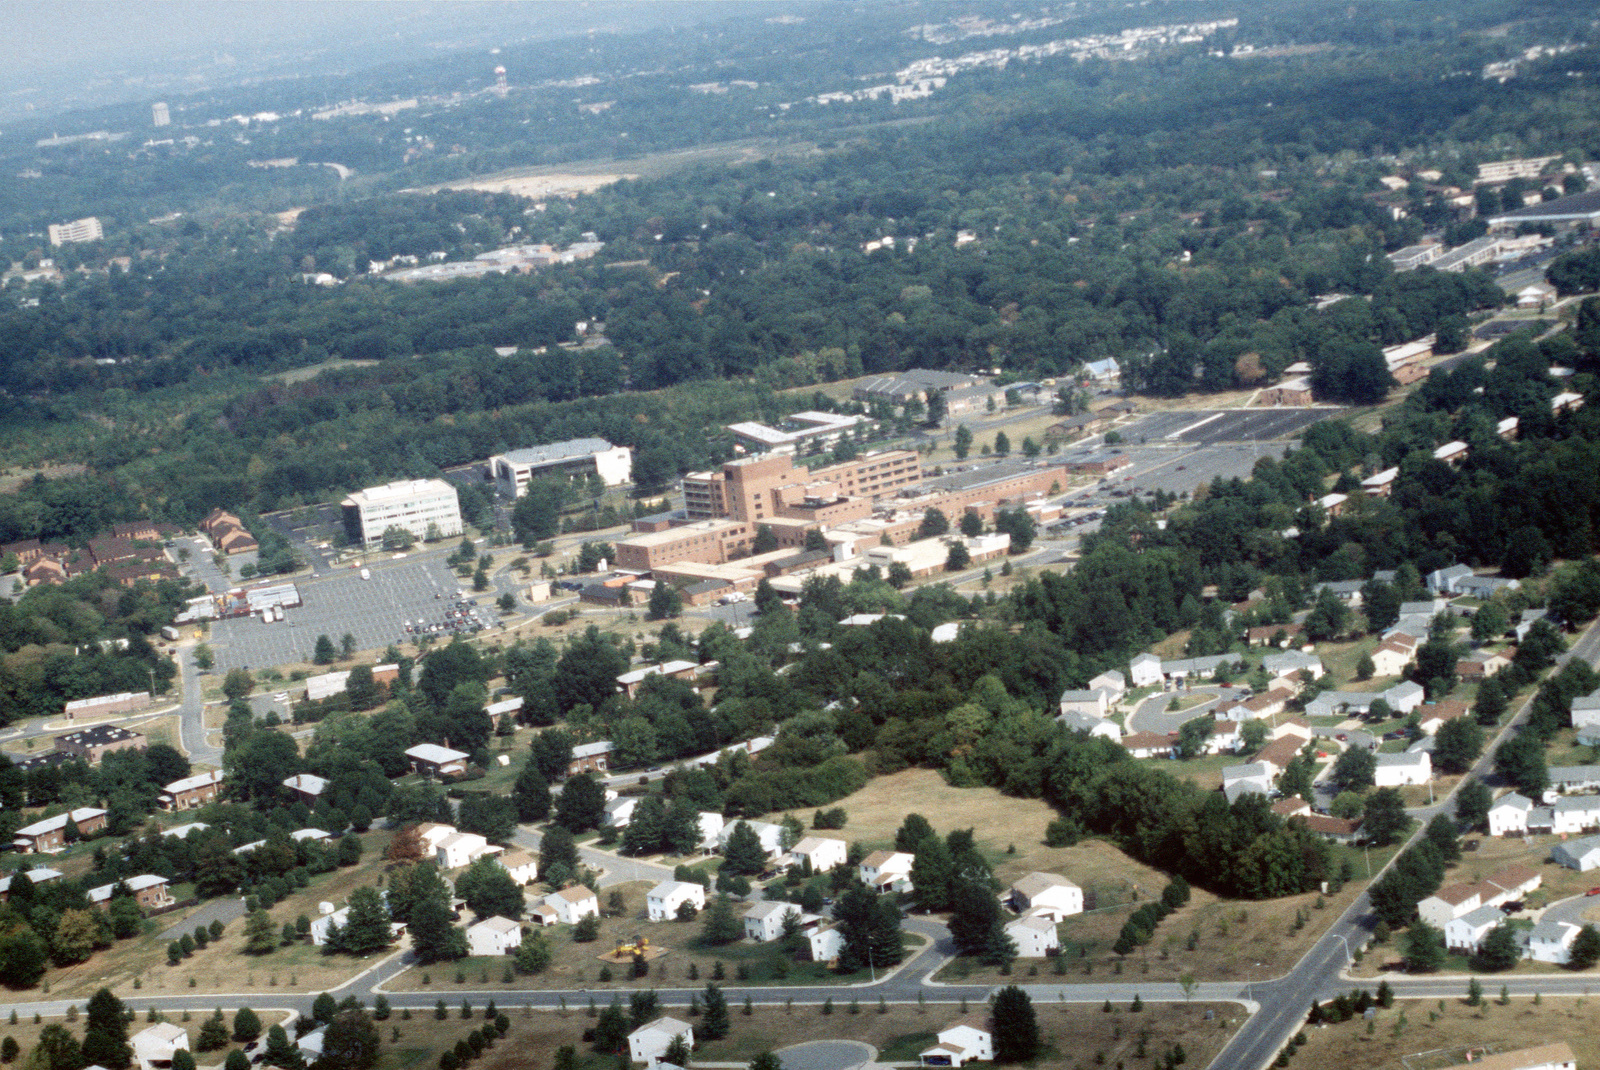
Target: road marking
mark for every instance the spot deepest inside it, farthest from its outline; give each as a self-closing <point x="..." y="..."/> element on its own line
<point x="1180" y="432"/>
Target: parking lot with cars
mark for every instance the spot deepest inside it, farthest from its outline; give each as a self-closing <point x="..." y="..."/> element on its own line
<point x="420" y="593"/>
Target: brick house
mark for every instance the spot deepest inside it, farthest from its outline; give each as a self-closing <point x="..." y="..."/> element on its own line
<point x="51" y="833"/>
<point x="190" y="792"/>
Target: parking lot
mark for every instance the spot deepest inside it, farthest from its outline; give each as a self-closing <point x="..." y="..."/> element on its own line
<point x="375" y="611"/>
<point x="1207" y="427"/>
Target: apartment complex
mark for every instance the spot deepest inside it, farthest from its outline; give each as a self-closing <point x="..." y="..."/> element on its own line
<point x="513" y="469"/>
<point x="79" y="230"/>
<point x="427" y="508"/>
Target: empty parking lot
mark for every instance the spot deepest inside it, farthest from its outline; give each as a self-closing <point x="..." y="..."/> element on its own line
<point x="1209" y="426"/>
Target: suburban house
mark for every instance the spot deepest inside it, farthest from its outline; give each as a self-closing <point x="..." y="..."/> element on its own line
<point x="763" y="922"/>
<point x="1485" y="663"/>
<point x="35" y="877"/>
<point x="573" y="904"/>
<point x="494" y="936"/>
<point x="630" y="682"/>
<point x="1280" y="753"/>
<point x="1509" y="815"/>
<point x="650" y="1041"/>
<point x="1393" y="655"/>
<point x="1095" y="703"/>
<point x="1466" y="932"/>
<point x="1112" y="682"/>
<point x="824" y="944"/>
<point x="308" y="786"/>
<point x="619" y="811"/>
<point x="711" y="825"/>
<point x="962" y="1042"/>
<point x="1149" y="744"/>
<point x="1241" y="780"/>
<point x="1586" y="711"/>
<point x="1407" y="767"/>
<point x="1565" y="778"/>
<point x="190" y="792"/>
<point x="522" y="864"/>
<point x="1581" y="854"/>
<point x="1144" y="670"/>
<point x="1551" y="941"/>
<point x="1048" y="895"/>
<point x="769" y="835"/>
<point x="154" y="1046"/>
<point x="149" y="891"/>
<point x="430" y="759"/>
<point x="51" y="833"/>
<point x="1078" y="721"/>
<point x="460" y="849"/>
<point x="822" y="852"/>
<point x="1035" y="936"/>
<point x="1292" y="663"/>
<point x="887" y="871"/>
<point x="666" y="898"/>
<point x="589" y="757"/>
<point x="1567" y="815"/>
<point x="1432" y="716"/>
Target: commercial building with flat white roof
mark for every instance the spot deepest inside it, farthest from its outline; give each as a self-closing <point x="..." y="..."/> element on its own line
<point x="79" y="230"/>
<point x="579" y="456"/>
<point x="424" y="507"/>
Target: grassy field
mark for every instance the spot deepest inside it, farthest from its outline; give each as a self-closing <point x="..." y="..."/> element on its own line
<point x="1423" y="1036"/>
<point x="685" y="961"/>
<point x="139" y="966"/>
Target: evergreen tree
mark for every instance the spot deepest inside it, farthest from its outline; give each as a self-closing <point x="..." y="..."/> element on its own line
<point x="1498" y="950"/>
<point x="1014" y="1026"/>
<point x="434" y="936"/>
<point x="931" y="874"/>
<point x="721" y="925"/>
<point x="105" y="1034"/>
<point x="213" y="1034"/>
<point x="581" y="805"/>
<point x="665" y="601"/>
<point x="531" y="793"/>
<point x="643" y="834"/>
<point x="260" y="935"/>
<point x="1472" y="805"/>
<point x="743" y="855"/>
<point x="611" y="1030"/>
<point x="489" y="890"/>
<point x="246" y="1025"/>
<point x="281" y="1051"/>
<point x="1424" y="947"/>
<point x="1585" y="949"/>
<point x="714" y="1021"/>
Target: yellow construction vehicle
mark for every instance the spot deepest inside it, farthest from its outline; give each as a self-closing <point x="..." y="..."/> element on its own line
<point x="640" y="946"/>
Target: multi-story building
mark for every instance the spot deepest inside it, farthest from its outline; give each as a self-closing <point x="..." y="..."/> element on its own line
<point x="160" y="114"/>
<point x="79" y="230"/>
<point x="427" y="508"/>
<point x="513" y="469"/>
<point x="92" y="744"/>
<point x="758" y="489"/>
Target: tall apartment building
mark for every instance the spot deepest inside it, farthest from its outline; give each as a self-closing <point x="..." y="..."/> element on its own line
<point x="160" y="114"/>
<point x="79" y="230"/>
<point x="513" y="469"/>
<point x="415" y="505"/>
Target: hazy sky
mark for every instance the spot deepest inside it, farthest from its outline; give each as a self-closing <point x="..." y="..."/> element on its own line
<point x="66" y="53"/>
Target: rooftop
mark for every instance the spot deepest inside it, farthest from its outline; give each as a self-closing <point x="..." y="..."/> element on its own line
<point x="554" y="452"/>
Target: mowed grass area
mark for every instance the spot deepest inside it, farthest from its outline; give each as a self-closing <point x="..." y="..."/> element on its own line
<point x="1074" y="1034"/>
<point x="579" y="965"/>
<point x="222" y="966"/>
<point x="877" y="810"/>
<point x="1431" y="1038"/>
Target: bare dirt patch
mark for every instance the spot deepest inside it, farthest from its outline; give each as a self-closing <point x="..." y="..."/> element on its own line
<point x="1429" y="1037"/>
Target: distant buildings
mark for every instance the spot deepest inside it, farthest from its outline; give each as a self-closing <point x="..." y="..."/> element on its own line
<point x="160" y="114"/>
<point x="79" y="230"/>
<point x="514" y="469"/>
<point x="426" y="508"/>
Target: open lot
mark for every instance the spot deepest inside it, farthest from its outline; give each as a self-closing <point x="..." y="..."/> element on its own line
<point x="1429" y="1037"/>
<point x="375" y="611"/>
<point x="1207" y="427"/>
<point x="1075" y="1035"/>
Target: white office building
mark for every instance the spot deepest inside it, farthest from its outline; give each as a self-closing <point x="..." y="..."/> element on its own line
<point x="576" y="457"/>
<point x="422" y="507"/>
<point x="79" y="230"/>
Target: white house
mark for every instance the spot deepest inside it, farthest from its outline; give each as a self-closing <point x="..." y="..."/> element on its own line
<point x="154" y="1047"/>
<point x="494" y="936"/>
<point x="1551" y="941"/>
<point x="666" y="898"/>
<point x="1572" y="814"/>
<point x="1078" y="721"/>
<point x="619" y="812"/>
<point x="1095" y="703"/>
<point x="1581" y="854"/>
<point x="323" y="922"/>
<point x="1034" y="935"/>
<point x="1393" y="655"/>
<point x="1112" y="682"/>
<point x="1239" y="780"/>
<point x="573" y="904"/>
<point x="763" y="922"/>
<point x="1449" y="903"/>
<point x="960" y="1043"/>
<point x="1048" y="895"/>
<point x="1564" y="778"/>
<point x="1509" y="815"/>
<point x="887" y="871"/>
<point x="460" y="849"/>
<point x="1586" y="710"/>
<point x="1466" y="933"/>
<point x="822" y="852"/>
<point x="1144" y="670"/>
<point x="711" y="825"/>
<point x="825" y="944"/>
<point x="769" y="835"/>
<point x="523" y="865"/>
<point x="649" y="1042"/>
<point x="1407" y="767"/>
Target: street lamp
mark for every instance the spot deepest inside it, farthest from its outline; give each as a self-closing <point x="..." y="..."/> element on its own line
<point x="1350" y="960"/>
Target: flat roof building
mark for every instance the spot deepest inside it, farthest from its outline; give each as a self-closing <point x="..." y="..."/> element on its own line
<point x="513" y="469"/>
<point x="427" y="508"/>
<point x="79" y="230"/>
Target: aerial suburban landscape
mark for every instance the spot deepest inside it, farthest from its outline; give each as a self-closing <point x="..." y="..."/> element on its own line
<point x="800" y="536"/>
